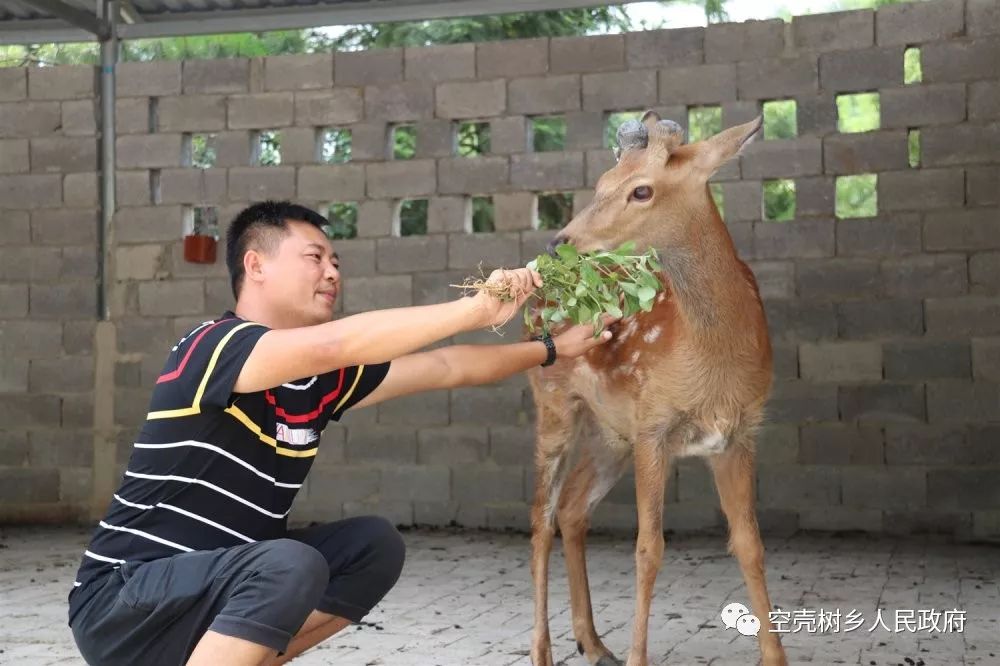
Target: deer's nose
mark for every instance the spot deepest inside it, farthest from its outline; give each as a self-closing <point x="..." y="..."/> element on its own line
<point x="554" y="243"/>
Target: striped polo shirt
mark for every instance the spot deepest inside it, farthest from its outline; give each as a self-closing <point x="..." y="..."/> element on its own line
<point x="211" y="468"/>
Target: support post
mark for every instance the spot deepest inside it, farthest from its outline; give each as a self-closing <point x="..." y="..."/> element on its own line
<point x="109" y="58"/>
<point x="104" y="470"/>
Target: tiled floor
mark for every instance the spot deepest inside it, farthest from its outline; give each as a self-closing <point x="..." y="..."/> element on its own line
<point x="465" y="598"/>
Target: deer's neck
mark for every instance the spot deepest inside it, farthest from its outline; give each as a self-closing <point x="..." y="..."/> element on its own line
<point x="707" y="281"/>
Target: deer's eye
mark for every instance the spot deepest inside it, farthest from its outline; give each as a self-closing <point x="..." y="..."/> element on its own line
<point x="642" y="193"/>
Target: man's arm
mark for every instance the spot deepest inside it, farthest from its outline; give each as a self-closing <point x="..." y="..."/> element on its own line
<point x="283" y="355"/>
<point x="449" y="367"/>
<point x="471" y="365"/>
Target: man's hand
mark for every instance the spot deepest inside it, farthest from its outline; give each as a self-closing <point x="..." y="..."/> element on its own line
<point x="522" y="283"/>
<point x="578" y="340"/>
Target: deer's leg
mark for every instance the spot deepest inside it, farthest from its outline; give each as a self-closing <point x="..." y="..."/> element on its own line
<point x="589" y="482"/>
<point x="734" y="471"/>
<point x="555" y="435"/>
<point x="650" y="482"/>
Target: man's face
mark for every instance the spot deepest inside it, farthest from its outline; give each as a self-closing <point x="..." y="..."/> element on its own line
<point x="303" y="276"/>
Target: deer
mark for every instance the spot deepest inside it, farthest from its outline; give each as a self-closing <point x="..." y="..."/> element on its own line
<point x="689" y="377"/>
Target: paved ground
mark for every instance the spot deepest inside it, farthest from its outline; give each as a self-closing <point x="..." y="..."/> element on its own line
<point x="465" y="598"/>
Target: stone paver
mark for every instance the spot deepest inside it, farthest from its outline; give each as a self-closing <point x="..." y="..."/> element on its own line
<point x="466" y="598"/>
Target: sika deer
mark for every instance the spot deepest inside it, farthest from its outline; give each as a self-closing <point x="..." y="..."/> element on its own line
<point x="689" y="378"/>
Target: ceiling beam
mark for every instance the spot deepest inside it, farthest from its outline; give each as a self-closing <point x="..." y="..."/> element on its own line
<point x="129" y="13"/>
<point x="41" y="31"/>
<point x="312" y="16"/>
<point x="74" y="16"/>
<point x="177" y="24"/>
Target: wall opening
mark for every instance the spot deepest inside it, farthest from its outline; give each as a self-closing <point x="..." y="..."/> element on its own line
<point x="343" y="217"/>
<point x="779" y="200"/>
<point x="336" y="146"/>
<point x="703" y="122"/>
<point x="553" y="210"/>
<point x="913" y="71"/>
<point x="718" y="198"/>
<point x="858" y="112"/>
<point x="615" y="121"/>
<point x="913" y="147"/>
<point x="267" y="148"/>
<point x="200" y="150"/>
<point x="473" y="139"/>
<point x="411" y="217"/>
<point x="857" y="196"/>
<point x="201" y="221"/>
<point x="482" y="215"/>
<point x="404" y="142"/>
<point x="781" y="119"/>
<point x="548" y="133"/>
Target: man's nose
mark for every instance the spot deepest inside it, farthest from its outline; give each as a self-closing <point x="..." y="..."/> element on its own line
<point x="554" y="243"/>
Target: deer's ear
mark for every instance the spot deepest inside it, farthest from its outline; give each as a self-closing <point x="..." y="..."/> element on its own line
<point x="729" y="143"/>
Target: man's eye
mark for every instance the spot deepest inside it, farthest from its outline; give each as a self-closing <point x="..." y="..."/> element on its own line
<point x="316" y="256"/>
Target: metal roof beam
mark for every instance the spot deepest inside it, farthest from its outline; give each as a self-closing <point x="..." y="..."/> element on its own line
<point x="47" y="31"/>
<point x="74" y="16"/>
<point x="311" y="16"/>
<point x="129" y="13"/>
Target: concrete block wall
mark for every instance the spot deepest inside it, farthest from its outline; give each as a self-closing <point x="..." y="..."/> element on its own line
<point x="48" y="217"/>
<point x="885" y="329"/>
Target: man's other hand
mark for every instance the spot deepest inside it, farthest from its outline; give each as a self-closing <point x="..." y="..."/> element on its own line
<point x="578" y="340"/>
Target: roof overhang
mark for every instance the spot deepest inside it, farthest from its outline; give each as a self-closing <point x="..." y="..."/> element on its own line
<point x="44" y="21"/>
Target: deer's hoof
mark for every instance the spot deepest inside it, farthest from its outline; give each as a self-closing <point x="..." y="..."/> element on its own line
<point x="609" y="660"/>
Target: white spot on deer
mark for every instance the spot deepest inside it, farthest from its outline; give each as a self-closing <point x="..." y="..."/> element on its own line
<point x="710" y="444"/>
<point x="635" y="357"/>
<point x="652" y="334"/>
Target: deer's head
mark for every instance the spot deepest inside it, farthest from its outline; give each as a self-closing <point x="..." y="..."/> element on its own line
<point x="657" y="194"/>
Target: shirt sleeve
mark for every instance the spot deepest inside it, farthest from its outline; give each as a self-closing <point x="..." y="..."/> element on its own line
<point x="205" y="365"/>
<point x="360" y="380"/>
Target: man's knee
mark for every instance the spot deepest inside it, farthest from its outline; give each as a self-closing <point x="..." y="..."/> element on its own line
<point x="302" y="569"/>
<point x="387" y="549"/>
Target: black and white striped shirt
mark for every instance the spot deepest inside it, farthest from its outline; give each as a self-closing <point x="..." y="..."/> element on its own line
<point x="212" y="468"/>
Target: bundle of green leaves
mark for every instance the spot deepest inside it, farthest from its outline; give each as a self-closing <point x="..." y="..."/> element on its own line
<point x="579" y="287"/>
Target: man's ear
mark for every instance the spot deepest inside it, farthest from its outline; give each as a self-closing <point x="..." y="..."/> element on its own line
<point x="729" y="143"/>
<point x="252" y="265"/>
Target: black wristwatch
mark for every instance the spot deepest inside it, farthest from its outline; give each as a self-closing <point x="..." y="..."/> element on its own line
<point x="550" y="347"/>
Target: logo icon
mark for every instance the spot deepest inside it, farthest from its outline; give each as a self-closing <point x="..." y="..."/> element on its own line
<point x="748" y="625"/>
<point x="737" y="616"/>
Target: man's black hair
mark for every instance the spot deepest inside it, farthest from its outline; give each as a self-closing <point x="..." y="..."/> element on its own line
<point x="254" y="228"/>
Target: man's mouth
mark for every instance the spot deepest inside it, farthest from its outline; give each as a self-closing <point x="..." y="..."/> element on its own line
<point x="329" y="296"/>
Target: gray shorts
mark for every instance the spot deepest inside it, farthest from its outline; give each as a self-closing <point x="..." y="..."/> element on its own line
<point x="156" y="612"/>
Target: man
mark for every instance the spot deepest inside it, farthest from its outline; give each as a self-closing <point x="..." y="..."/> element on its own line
<point x="193" y="562"/>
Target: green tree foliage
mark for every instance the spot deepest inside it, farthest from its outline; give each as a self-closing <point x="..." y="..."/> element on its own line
<point x="779" y="200"/>
<point x="554" y="210"/>
<point x="483" y="215"/>
<point x="482" y="28"/>
<point x="343" y="219"/>
<point x="236" y="45"/>
<point x="548" y="133"/>
<point x="563" y="23"/>
<point x="413" y="217"/>
<point x="780" y="119"/>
